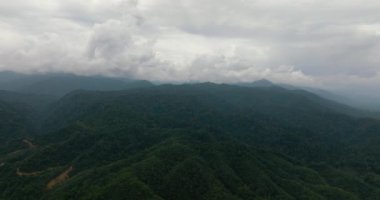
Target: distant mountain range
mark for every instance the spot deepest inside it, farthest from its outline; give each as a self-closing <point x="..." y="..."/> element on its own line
<point x="61" y="84"/>
<point x="359" y="101"/>
<point x="185" y="142"/>
<point x="58" y="85"/>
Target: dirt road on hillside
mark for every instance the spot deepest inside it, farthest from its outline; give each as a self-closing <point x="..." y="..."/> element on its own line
<point x="59" y="179"/>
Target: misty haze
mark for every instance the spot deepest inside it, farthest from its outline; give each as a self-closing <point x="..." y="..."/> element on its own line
<point x="188" y="100"/>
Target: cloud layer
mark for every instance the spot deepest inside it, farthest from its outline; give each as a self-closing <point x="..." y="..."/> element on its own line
<point x="328" y="43"/>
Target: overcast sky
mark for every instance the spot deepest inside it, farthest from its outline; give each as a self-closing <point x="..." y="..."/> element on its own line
<point x="324" y="43"/>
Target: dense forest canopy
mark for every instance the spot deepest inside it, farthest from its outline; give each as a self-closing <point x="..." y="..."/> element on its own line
<point x="190" y="141"/>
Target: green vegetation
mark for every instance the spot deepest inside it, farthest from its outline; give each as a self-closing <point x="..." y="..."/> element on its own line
<point x="202" y="141"/>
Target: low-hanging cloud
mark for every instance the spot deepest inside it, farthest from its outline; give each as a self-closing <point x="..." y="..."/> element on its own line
<point x="313" y="42"/>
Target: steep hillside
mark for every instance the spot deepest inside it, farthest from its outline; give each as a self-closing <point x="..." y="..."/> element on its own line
<point x="14" y="126"/>
<point x="35" y="101"/>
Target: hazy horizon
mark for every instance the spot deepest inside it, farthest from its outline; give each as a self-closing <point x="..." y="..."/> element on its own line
<point x="324" y="44"/>
<point x="14" y="81"/>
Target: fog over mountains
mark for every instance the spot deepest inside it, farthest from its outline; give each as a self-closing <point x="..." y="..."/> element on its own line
<point x="324" y="44"/>
<point x="61" y="84"/>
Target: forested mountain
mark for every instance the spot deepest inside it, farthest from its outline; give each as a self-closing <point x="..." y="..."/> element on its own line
<point x="344" y="105"/>
<point x="200" y="141"/>
<point x="60" y="84"/>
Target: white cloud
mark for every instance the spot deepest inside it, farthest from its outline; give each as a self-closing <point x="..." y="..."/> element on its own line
<point x="321" y="42"/>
